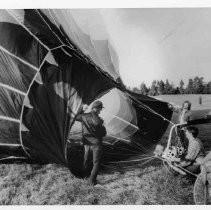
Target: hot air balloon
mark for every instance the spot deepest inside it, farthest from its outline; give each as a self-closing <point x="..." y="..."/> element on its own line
<point x="51" y="63"/>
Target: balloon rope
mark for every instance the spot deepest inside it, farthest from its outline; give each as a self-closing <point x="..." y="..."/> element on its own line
<point x="180" y="167"/>
<point x="112" y="167"/>
<point x="186" y="170"/>
<point x="119" y="138"/>
<point x="142" y="147"/>
<point x="56" y="24"/>
<point x="18" y="58"/>
<point x="130" y="161"/>
<point x="49" y="27"/>
<point x="166" y="166"/>
<point x="61" y="42"/>
<point x="55" y="48"/>
<point x="148" y="108"/>
<point x="139" y="146"/>
<point x="147" y="161"/>
<point x="125" y="154"/>
<point x="119" y="118"/>
<point x="126" y="149"/>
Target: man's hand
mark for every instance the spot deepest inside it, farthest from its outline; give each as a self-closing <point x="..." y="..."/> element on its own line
<point x="85" y="107"/>
<point x="170" y="106"/>
<point x="173" y="106"/>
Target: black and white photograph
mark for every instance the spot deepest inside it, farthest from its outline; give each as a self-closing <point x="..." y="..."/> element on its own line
<point x="105" y="106"/>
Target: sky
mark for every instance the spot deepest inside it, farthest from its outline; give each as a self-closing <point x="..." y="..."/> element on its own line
<point x="154" y="44"/>
<point x="173" y="43"/>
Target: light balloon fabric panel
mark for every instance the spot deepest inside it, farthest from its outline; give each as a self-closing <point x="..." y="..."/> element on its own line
<point x="15" y="73"/>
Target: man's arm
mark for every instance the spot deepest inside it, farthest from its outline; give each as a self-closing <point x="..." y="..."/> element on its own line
<point x="174" y="107"/>
<point x="81" y="113"/>
<point x="193" y="151"/>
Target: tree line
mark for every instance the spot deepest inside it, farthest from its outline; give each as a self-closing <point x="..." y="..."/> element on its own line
<point x="194" y="86"/>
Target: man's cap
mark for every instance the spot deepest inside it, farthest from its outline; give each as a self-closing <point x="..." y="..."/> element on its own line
<point x="97" y="105"/>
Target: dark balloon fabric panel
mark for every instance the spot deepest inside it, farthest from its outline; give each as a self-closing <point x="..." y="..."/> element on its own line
<point x="9" y="132"/>
<point x="151" y="115"/>
<point x="85" y="78"/>
<point x="46" y="32"/>
<point x="15" y="39"/>
<point x="56" y="102"/>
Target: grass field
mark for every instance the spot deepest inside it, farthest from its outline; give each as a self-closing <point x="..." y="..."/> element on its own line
<point x="150" y="184"/>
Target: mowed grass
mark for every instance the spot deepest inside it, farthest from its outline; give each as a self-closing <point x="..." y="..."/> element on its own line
<point x="52" y="184"/>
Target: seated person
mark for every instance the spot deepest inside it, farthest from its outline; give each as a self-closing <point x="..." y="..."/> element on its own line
<point x="195" y="151"/>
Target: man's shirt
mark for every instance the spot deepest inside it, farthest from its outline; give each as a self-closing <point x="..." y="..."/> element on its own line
<point x="92" y="128"/>
<point x="184" y="116"/>
<point x="195" y="149"/>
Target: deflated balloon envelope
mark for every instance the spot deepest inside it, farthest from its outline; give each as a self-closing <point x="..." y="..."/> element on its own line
<point x="52" y="62"/>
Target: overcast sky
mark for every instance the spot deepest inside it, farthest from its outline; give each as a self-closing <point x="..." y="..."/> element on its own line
<point x="155" y="44"/>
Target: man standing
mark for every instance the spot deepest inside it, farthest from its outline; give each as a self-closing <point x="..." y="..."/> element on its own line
<point x="93" y="132"/>
<point x="184" y="117"/>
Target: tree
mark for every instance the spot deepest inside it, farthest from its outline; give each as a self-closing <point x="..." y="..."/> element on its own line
<point x="172" y="90"/>
<point x="176" y="90"/>
<point x="181" y="87"/>
<point x="129" y="88"/>
<point x="136" y="90"/>
<point x="161" y="87"/>
<point x="208" y="88"/>
<point x="153" y="90"/>
<point x="143" y="89"/>
<point x="190" y="88"/>
<point x="168" y="88"/>
<point x="198" y="85"/>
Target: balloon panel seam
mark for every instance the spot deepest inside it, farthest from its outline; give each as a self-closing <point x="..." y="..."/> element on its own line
<point x="20" y="59"/>
<point x="21" y="116"/>
<point x="12" y="89"/>
<point x="35" y="37"/>
<point x="9" y="119"/>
